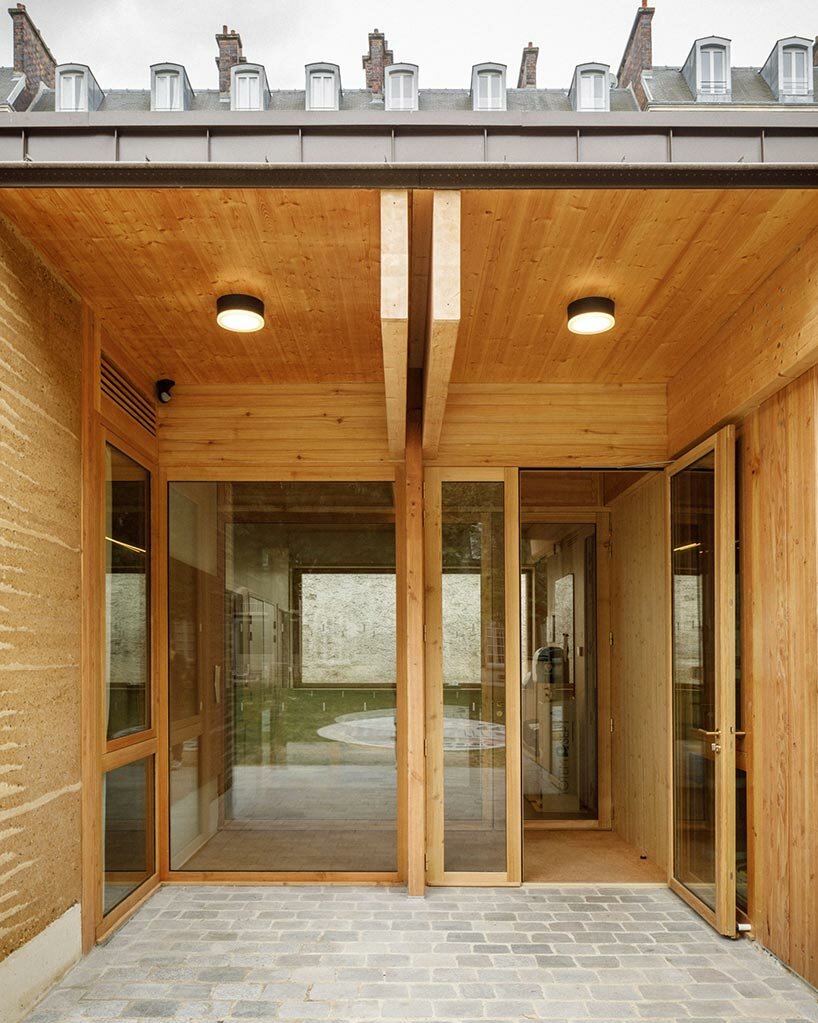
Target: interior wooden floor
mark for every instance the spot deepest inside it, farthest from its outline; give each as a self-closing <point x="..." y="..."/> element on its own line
<point x="580" y="856"/>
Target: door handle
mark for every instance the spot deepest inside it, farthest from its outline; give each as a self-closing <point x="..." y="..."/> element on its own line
<point x="708" y="735"/>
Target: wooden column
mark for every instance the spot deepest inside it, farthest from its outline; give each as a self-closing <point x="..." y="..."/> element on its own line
<point x="444" y="318"/>
<point x="411" y="676"/>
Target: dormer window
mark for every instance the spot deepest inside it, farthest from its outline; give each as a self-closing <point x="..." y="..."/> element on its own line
<point x="488" y="87"/>
<point x="170" y="88"/>
<point x="788" y="70"/>
<point x="591" y="88"/>
<point x="795" y="71"/>
<point x="707" y="70"/>
<point x="401" y="87"/>
<point x="323" y="87"/>
<point x="76" y="89"/>
<point x="248" y="87"/>
<point x="713" y="74"/>
<point x="72" y="90"/>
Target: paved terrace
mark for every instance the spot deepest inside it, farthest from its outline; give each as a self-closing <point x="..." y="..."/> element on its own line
<point x="346" y="954"/>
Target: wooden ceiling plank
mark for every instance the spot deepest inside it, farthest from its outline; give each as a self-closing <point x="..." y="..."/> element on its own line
<point x="770" y="339"/>
<point x="444" y="318"/>
<point x="395" y="314"/>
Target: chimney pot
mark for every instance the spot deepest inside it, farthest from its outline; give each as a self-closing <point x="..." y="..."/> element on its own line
<point x="638" y="55"/>
<point x="527" y="78"/>
<point x="374" y="62"/>
<point x="230" y="54"/>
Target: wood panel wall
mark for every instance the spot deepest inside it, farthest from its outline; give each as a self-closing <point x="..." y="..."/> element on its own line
<point x="639" y="683"/>
<point x="554" y="425"/>
<point x="207" y="429"/>
<point x="779" y="543"/>
<point x="40" y="358"/>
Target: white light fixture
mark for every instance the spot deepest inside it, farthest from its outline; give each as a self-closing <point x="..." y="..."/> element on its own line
<point x="591" y="315"/>
<point x="241" y="313"/>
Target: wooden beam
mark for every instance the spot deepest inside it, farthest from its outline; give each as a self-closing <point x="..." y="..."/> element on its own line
<point x="444" y="319"/>
<point x="769" y="340"/>
<point x="554" y="425"/>
<point x="395" y="313"/>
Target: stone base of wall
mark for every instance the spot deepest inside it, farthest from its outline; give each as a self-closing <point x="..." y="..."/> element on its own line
<point x="28" y="973"/>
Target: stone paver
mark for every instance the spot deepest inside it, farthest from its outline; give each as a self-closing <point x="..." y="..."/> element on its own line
<point x="459" y="955"/>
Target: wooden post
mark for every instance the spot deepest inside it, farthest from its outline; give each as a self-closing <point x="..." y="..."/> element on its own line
<point x="412" y="704"/>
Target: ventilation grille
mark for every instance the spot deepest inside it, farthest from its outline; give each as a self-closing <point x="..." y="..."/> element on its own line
<point x="129" y="398"/>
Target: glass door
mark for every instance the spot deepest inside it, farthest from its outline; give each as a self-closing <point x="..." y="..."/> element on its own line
<point x="473" y="765"/>
<point x="128" y="711"/>
<point x="703" y="671"/>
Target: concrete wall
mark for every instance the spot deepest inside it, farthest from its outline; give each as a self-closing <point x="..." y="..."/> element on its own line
<point x="40" y="341"/>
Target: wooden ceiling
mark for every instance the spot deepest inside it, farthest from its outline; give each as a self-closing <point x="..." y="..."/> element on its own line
<point x="678" y="263"/>
<point x="152" y="262"/>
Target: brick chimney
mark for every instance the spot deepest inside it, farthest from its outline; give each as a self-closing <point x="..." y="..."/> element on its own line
<point x="31" y="56"/>
<point x="230" y="54"/>
<point x="638" y="55"/>
<point x="375" y="61"/>
<point x="528" y="68"/>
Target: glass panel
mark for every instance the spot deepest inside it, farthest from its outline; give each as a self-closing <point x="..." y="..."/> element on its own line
<point x="592" y="91"/>
<point x="248" y="92"/>
<point x="474" y="670"/>
<point x="714" y="78"/>
<point x="127" y="595"/>
<point x="559" y="664"/>
<point x="282" y="676"/>
<point x="742" y="871"/>
<point x="694" y="677"/>
<point x="796" y="81"/>
<point x="71" y="91"/>
<point x="128" y="827"/>
<point x="322" y="96"/>
<point x="401" y="86"/>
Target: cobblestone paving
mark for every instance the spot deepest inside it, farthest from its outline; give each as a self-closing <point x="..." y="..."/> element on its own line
<point x="348" y="954"/>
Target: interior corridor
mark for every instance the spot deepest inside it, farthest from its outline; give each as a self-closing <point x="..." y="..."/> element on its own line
<point x="261" y="953"/>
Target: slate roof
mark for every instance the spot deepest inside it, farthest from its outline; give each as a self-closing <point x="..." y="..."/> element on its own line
<point x="8" y="79"/>
<point x="666" y="87"/>
<point x="132" y="100"/>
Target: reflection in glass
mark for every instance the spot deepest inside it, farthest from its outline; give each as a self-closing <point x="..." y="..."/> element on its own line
<point x="474" y="668"/>
<point x="127" y="595"/>
<point x="282" y="676"/>
<point x="128" y="815"/>
<point x="694" y="677"/>
<point x="559" y="670"/>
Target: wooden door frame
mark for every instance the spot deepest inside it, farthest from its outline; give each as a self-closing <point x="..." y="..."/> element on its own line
<point x="436" y="874"/>
<point x="723" y="447"/>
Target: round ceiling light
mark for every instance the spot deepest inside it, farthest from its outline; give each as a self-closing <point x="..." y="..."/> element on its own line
<point x="591" y="315"/>
<point x="241" y="313"/>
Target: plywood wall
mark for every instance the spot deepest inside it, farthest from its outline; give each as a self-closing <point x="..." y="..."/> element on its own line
<point x="639" y="662"/>
<point x="39" y="595"/>
<point x="779" y="543"/>
<point x="210" y="429"/>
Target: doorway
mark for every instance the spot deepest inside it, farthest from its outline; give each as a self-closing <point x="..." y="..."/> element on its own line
<point x="584" y="682"/>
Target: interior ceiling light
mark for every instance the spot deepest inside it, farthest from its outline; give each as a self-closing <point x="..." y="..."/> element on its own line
<point x="242" y="313"/>
<point x="591" y="315"/>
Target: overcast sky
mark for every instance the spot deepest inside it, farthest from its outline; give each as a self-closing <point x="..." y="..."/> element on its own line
<point x="119" y="39"/>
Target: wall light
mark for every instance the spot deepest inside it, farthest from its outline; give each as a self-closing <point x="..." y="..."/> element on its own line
<point x="591" y="315"/>
<point x="242" y="313"/>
